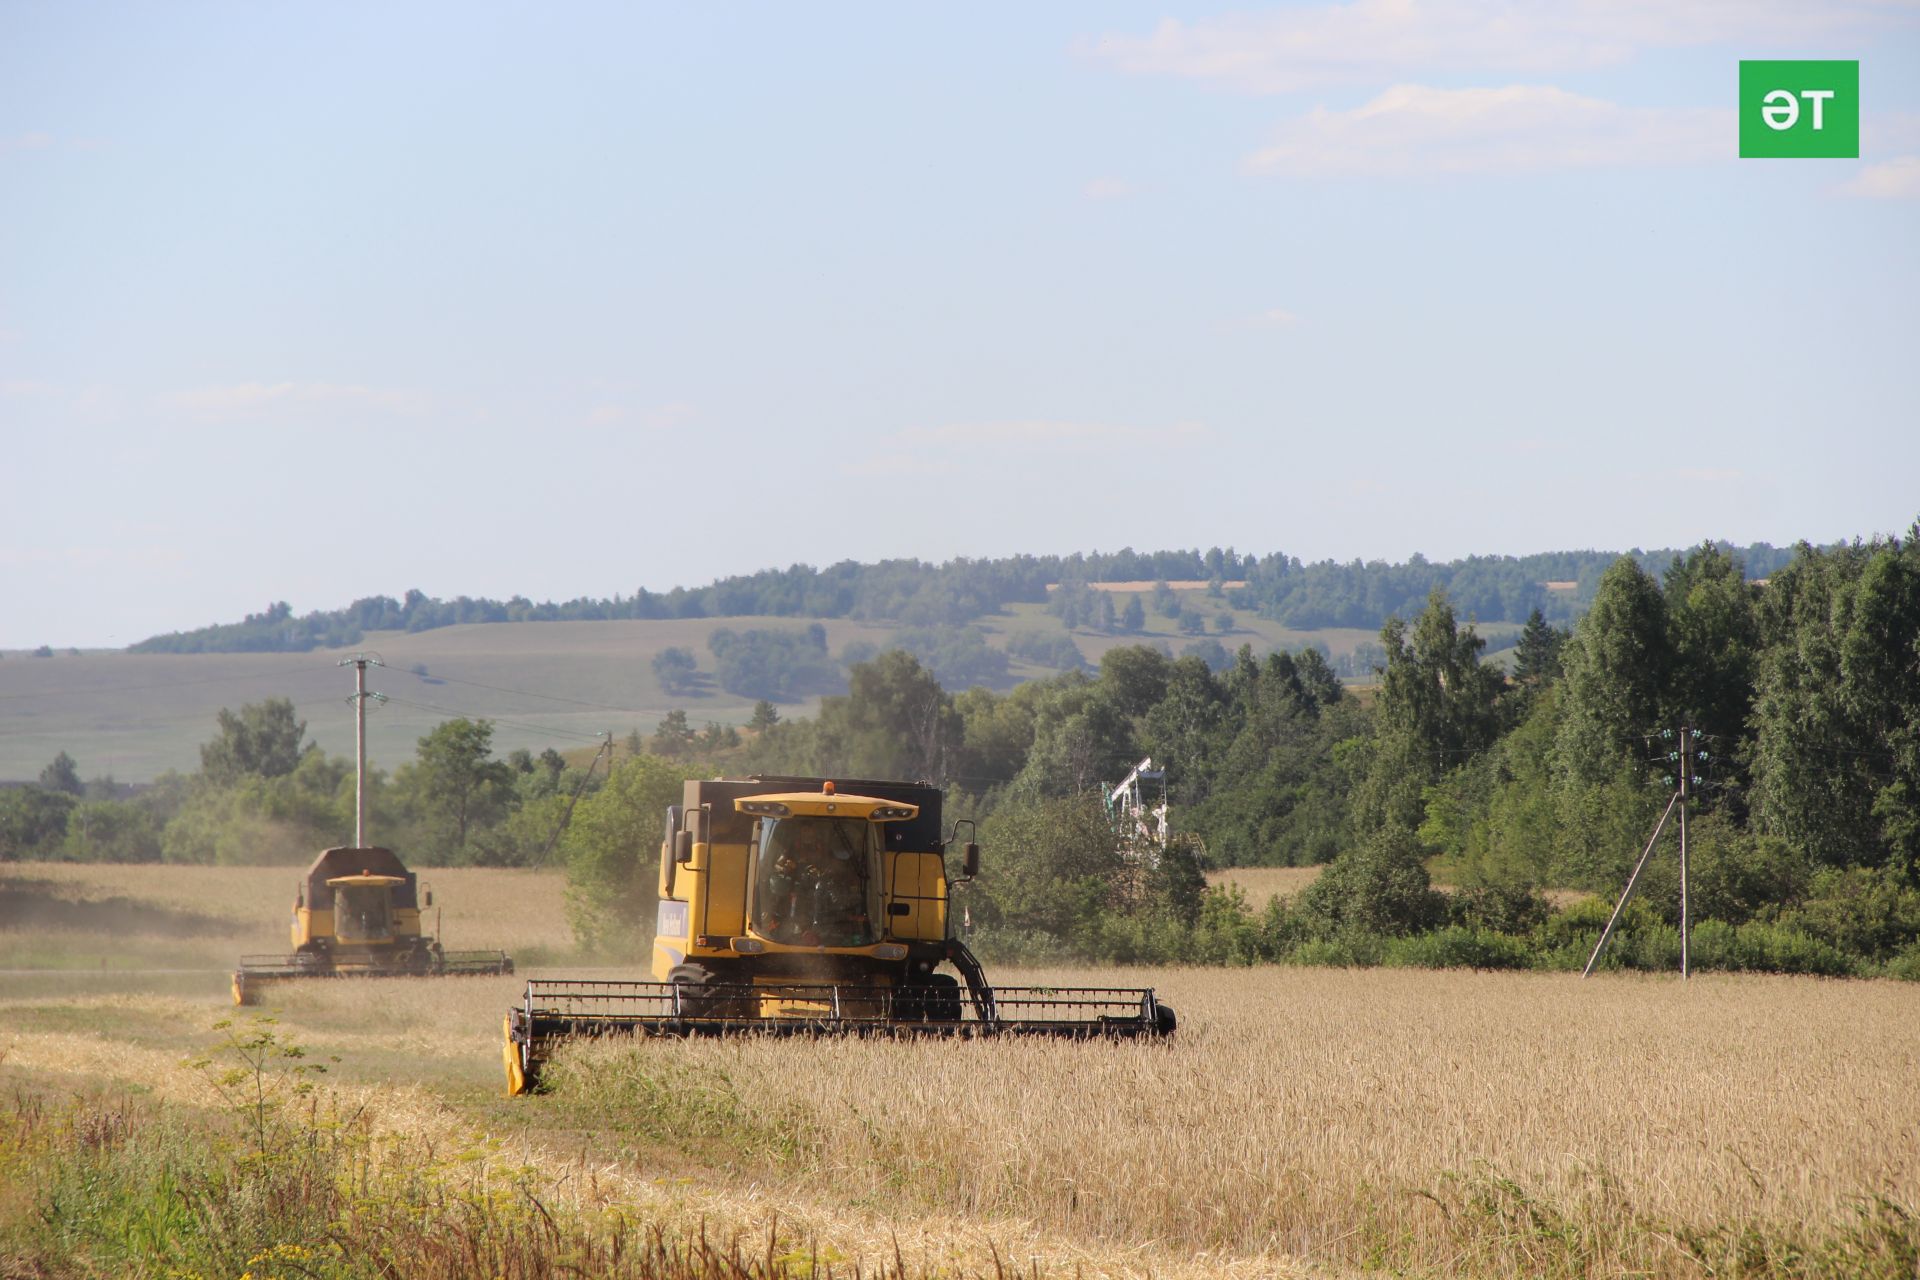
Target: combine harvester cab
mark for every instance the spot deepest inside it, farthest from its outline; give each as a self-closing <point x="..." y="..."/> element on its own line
<point x="804" y="906"/>
<point x="357" y="913"/>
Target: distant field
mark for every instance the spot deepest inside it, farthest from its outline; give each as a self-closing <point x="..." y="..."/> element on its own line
<point x="1302" y="1122"/>
<point x="137" y="715"/>
<point x="544" y="684"/>
<point x="1146" y="586"/>
<point x="1263" y="883"/>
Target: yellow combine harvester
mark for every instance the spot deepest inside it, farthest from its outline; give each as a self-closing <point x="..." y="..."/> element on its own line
<point x="798" y="906"/>
<point x="358" y="914"/>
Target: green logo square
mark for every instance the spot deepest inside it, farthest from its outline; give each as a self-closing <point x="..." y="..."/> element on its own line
<point x="1800" y="110"/>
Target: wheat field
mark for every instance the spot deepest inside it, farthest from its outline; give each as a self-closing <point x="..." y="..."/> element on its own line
<point x="1260" y="884"/>
<point x="1302" y="1122"/>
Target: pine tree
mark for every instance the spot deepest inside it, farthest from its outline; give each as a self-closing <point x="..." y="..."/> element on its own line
<point x="1537" y="659"/>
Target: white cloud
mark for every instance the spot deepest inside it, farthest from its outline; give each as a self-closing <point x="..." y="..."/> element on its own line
<point x="889" y="466"/>
<point x="663" y="417"/>
<point x="26" y="142"/>
<point x="1042" y="434"/>
<point x="1373" y="40"/>
<point x="1109" y="189"/>
<point x="1277" y="318"/>
<point x="241" y="398"/>
<point x="89" y="404"/>
<point x="1897" y="179"/>
<point x="133" y="553"/>
<point x="1416" y="129"/>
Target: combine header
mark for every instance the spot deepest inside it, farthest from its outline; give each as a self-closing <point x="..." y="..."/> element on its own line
<point x="795" y="906"/>
<point x="357" y="914"/>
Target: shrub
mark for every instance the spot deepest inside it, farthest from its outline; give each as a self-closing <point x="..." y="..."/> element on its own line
<point x="1864" y="912"/>
<point x="1458" y="947"/>
<point x="1349" y="951"/>
<point x="1501" y="908"/>
<point x="1381" y="887"/>
<point x="1906" y="965"/>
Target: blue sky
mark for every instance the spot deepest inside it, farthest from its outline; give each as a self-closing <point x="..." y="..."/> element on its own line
<point x="310" y="303"/>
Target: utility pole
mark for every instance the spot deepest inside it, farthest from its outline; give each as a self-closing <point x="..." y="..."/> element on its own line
<point x="1684" y="783"/>
<point x="360" y="662"/>
<point x="1686" y="772"/>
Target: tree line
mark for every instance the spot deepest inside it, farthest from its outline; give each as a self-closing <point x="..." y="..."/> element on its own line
<point x="916" y="593"/>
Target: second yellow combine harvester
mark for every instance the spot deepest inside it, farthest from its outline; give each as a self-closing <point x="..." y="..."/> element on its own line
<point x="801" y="906"/>
<point x="358" y="914"/>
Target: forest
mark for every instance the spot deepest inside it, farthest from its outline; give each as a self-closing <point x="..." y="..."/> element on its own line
<point x="1529" y="793"/>
<point x="916" y="594"/>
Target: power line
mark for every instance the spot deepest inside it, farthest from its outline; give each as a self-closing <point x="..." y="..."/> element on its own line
<point x="550" y="697"/>
<point x="171" y="684"/>
<point x="511" y="724"/>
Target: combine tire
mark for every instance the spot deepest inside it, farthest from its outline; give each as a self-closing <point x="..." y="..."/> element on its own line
<point x="937" y="999"/>
<point x="1163" y="1020"/>
<point x="698" y="996"/>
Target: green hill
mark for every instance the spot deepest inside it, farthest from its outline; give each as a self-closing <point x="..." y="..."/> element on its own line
<point x="544" y="684"/>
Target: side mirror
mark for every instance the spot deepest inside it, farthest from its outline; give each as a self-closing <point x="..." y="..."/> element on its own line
<point x="683" y="847"/>
<point x="427" y="901"/>
<point x="673" y="822"/>
<point x="970" y="860"/>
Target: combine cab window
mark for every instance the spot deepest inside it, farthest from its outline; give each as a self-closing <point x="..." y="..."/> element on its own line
<point x="814" y="883"/>
<point x="362" y="913"/>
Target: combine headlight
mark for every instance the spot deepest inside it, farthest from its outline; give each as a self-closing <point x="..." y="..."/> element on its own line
<point x="891" y="813"/>
<point x="764" y="808"/>
<point x="749" y="946"/>
<point x="889" y="951"/>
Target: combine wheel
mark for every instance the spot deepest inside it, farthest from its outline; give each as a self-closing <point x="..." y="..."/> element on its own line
<point x="698" y="997"/>
<point x="1163" y="1020"/>
<point x="242" y="996"/>
<point x="935" y="999"/>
